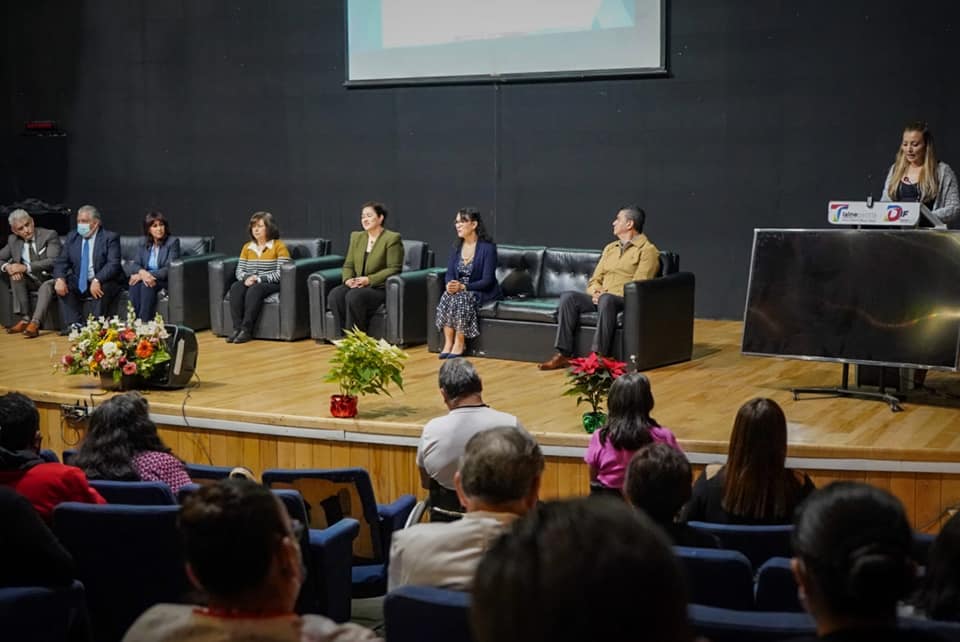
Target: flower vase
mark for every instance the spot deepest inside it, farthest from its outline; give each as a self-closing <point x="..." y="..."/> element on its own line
<point x="127" y="382"/>
<point x="343" y="406"/>
<point x="593" y="420"/>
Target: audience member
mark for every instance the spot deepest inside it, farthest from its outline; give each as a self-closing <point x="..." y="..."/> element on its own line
<point x="580" y="569"/>
<point x="29" y="553"/>
<point x="88" y="265"/>
<point x="939" y="594"/>
<point x="443" y="439"/>
<point x="754" y="486"/>
<point x="27" y="262"/>
<point x="629" y="428"/>
<point x="122" y="444"/>
<point x="242" y="551"/>
<point x="658" y="482"/>
<point x="43" y="484"/>
<point x="852" y="563"/>
<point x="148" y="272"/>
<point x="498" y="480"/>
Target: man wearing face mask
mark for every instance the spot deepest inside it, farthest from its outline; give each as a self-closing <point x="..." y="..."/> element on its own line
<point x="88" y="266"/>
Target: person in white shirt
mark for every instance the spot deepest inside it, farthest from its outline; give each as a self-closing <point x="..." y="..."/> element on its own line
<point x="498" y="481"/>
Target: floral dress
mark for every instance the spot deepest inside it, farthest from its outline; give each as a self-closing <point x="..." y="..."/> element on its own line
<point x="459" y="311"/>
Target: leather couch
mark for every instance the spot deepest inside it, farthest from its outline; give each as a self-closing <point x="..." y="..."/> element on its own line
<point x="284" y="315"/>
<point x="183" y="302"/>
<point x="654" y="329"/>
<point x="402" y="320"/>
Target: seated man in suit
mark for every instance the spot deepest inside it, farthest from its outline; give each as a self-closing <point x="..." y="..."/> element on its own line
<point x="498" y="481"/>
<point x="88" y="265"/>
<point x="27" y="261"/>
<point x="632" y="257"/>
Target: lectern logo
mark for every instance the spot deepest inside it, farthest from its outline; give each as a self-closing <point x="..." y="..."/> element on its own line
<point x="837" y="210"/>
<point x="894" y="212"/>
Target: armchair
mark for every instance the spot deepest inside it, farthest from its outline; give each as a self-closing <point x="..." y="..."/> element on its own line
<point x="401" y="320"/>
<point x="284" y="316"/>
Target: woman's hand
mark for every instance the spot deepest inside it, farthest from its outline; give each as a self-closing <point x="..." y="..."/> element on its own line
<point x="358" y="282"/>
<point x="134" y="279"/>
<point x="250" y="280"/>
<point x="455" y="286"/>
<point x="148" y="279"/>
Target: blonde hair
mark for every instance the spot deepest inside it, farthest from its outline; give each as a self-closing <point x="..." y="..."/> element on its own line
<point x="928" y="183"/>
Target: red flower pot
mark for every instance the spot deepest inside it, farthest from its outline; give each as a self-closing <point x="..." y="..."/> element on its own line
<point x="343" y="406"/>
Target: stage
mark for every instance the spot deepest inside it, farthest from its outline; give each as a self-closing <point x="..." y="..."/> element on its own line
<point x="264" y="404"/>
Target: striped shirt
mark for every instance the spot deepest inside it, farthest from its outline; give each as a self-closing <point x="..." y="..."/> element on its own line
<point x="266" y="264"/>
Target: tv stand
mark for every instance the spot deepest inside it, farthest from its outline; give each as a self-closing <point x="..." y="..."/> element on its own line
<point x="845" y="391"/>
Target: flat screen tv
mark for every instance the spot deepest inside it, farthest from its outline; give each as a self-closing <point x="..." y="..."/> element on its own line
<point x="884" y="297"/>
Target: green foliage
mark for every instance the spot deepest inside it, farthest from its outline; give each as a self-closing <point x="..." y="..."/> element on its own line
<point x="362" y="365"/>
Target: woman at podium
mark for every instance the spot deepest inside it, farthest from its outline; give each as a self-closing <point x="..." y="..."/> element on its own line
<point x="916" y="175"/>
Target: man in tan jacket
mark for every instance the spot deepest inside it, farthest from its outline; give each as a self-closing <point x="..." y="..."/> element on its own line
<point x="632" y="257"/>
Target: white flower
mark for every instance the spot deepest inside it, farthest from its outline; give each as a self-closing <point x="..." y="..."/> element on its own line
<point x="109" y="348"/>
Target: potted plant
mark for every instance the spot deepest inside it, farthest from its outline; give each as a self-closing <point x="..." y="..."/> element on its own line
<point x="123" y="353"/>
<point x="362" y="365"/>
<point x="590" y="379"/>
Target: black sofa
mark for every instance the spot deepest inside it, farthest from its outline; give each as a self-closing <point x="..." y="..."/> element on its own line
<point x="654" y="329"/>
<point x="184" y="302"/>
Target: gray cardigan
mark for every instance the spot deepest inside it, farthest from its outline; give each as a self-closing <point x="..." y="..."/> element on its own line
<point x="947" y="204"/>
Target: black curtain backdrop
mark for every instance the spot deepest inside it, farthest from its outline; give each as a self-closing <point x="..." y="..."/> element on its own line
<point x="210" y="110"/>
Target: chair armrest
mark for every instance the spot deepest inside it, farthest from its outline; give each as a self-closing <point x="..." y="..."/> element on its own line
<point x="435" y="286"/>
<point x="393" y="517"/>
<point x="407" y="307"/>
<point x="189" y="296"/>
<point x="221" y="274"/>
<point x="331" y="563"/>
<point x="658" y="320"/>
<point x="319" y="285"/>
<point x="294" y="307"/>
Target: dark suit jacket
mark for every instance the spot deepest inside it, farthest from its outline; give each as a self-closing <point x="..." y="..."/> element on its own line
<point x="47" y="245"/>
<point x="169" y="250"/>
<point x="483" y="276"/>
<point x="106" y="258"/>
<point x="386" y="257"/>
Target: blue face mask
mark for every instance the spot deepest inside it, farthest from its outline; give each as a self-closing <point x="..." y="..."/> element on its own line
<point x="83" y="229"/>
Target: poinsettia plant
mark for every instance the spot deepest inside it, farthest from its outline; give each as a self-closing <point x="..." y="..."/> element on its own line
<point x="590" y="379"/>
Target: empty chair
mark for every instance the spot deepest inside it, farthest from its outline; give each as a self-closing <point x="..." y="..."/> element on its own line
<point x="68" y="455"/>
<point x="427" y="614"/>
<point x="331" y="495"/>
<point x="402" y="320"/>
<point x="717" y="577"/>
<point x="43" y="614"/>
<point x="128" y="559"/>
<point x="205" y="474"/>
<point x="141" y="493"/>
<point x="726" y="625"/>
<point x="49" y="456"/>
<point x="776" y="588"/>
<point x="758" y="543"/>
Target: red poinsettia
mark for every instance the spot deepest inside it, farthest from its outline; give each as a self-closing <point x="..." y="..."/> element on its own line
<point x="590" y="378"/>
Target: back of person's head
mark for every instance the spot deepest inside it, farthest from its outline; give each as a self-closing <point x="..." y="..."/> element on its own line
<point x="580" y="569"/>
<point x="19" y="422"/>
<point x="852" y="545"/>
<point x="939" y="596"/>
<point x="120" y="428"/>
<point x="658" y="480"/>
<point x="757" y="485"/>
<point x="629" y="405"/>
<point x="501" y="466"/>
<point x="458" y="378"/>
<point x="231" y="532"/>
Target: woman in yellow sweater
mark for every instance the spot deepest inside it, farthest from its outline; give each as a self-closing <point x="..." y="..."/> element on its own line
<point x="258" y="275"/>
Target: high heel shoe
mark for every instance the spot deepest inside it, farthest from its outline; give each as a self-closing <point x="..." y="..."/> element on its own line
<point x="443" y="355"/>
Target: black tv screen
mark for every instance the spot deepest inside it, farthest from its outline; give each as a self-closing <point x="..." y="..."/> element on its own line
<point x="889" y="297"/>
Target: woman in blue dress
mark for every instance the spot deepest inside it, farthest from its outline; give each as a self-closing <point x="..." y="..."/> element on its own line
<point x="471" y="281"/>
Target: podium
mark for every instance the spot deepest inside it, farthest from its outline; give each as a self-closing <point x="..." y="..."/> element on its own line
<point x="885" y="214"/>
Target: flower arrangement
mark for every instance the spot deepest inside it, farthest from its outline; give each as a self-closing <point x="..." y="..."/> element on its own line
<point x="590" y="379"/>
<point x="115" y="347"/>
<point x="363" y="365"/>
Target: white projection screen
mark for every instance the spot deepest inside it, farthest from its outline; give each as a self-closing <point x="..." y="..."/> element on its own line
<point x="431" y="41"/>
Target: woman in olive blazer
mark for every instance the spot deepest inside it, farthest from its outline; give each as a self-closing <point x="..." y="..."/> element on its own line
<point x="375" y="253"/>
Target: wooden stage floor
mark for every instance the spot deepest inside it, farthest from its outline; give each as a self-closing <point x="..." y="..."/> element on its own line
<point x="277" y="387"/>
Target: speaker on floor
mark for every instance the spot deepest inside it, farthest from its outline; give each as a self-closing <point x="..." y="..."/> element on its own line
<point x="182" y="346"/>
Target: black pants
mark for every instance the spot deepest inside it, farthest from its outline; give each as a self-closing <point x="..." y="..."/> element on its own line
<point x="144" y="299"/>
<point x="353" y="307"/>
<point x="71" y="304"/>
<point x="572" y="305"/>
<point x="246" y="302"/>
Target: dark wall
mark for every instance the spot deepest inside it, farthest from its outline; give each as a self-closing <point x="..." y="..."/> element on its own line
<point x="210" y="110"/>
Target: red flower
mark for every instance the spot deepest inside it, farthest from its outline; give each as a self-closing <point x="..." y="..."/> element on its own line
<point x="67" y="360"/>
<point x="585" y="365"/>
<point x="130" y="368"/>
<point x="615" y="367"/>
<point x="129" y="336"/>
<point x="98" y="356"/>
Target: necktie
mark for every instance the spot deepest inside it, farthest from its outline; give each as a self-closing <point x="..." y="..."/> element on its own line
<point x="84" y="259"/>
<point x="28" y="259"/>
